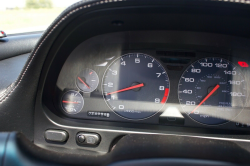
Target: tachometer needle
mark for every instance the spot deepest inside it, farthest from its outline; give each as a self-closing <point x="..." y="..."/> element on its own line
<point x="83" y="82"/>
<point x="71" y="102"/>
<point x="209" y="94"/>
<point x="125" y="89"/>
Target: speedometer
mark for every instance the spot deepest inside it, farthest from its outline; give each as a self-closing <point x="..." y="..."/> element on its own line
<point x="212" y="91"/>
<point x="135" y="86"/>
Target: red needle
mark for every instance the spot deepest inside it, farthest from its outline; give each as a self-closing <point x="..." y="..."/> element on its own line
<point x="70" y="102"/>
<point x="129" y="88"/>
<point x="83" y="82"/>
<point x="214" y="89"/>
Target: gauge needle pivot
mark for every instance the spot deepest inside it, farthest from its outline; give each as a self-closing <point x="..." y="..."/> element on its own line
<point x="126" y="89"/>
<point x="70" y="102"/>
<point x="83" y="82"/>
<point x="209" y="94"/>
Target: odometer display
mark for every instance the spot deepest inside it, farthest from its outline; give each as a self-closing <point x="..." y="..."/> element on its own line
<point x="135" y="86"/>
<point x="212" y="91"/>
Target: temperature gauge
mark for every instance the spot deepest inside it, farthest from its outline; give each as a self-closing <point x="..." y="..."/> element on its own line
<point x="87" y="80"/>
<point x="72" y="102"/>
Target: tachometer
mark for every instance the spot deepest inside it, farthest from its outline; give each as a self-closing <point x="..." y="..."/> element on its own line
<point x="135" y="86"/>
<point x="212" y="91"/>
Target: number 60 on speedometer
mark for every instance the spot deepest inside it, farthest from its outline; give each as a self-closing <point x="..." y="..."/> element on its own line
<point x="212" y="91"/>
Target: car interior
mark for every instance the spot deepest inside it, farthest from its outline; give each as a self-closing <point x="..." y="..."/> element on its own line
<point x="128" y="83"/>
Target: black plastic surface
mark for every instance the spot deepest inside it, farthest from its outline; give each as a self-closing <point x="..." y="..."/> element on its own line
<point x="20" y="151"/>
<point x="16" y="151"/>
<point x="10" y="69"/>
<point x="17" y="45"/>
<point x="172" y="162"/>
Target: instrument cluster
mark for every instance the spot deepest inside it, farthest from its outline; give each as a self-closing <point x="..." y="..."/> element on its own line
<point x="154" y="87"/>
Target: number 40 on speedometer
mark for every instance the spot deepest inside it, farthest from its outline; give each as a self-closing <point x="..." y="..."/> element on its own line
<point x="212" y="91"/>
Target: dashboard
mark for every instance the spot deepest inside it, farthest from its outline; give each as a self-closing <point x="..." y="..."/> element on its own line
<point x="129" y="82"/>
<point x="139" y="77"/>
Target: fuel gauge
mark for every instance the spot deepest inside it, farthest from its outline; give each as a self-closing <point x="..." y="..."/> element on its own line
<point x="72" y="102"/>
<point x="87" y="80"/>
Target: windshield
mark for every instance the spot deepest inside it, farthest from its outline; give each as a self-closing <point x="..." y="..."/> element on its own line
<point x="20" y="16"/>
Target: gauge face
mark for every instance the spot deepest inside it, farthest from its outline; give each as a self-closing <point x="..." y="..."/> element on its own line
<point x="135" y="86"/>
<point x="72" y="102"/>
<point x="87" y="80"/>
<point x="212" y="91"/>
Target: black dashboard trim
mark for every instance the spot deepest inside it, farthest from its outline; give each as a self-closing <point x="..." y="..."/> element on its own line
<point x="17" y="45"/>
<point x="27" y="92"/>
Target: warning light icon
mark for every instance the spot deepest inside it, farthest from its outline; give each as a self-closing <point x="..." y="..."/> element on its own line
<point x="243" y="64"/>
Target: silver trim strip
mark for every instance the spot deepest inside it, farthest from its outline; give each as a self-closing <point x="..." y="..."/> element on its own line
<point x="149" y="133"/>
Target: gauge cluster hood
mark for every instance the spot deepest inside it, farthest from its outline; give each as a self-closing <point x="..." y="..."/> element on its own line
<point x="27" y="104"/>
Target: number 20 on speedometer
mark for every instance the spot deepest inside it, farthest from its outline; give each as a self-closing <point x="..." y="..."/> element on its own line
<point x="212" y="91"/>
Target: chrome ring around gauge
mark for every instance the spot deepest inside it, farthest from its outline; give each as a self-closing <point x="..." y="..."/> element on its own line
<point x="135" y="86"/>
<point x="87" y="80"/>
<point x="212" y="91"/>
<point x="72" y="102"/>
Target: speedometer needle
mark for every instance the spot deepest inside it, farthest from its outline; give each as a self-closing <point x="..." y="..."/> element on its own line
<point x="209" y="94"/>
<point x="125" y="89"/>
<point x="83" y="82"/>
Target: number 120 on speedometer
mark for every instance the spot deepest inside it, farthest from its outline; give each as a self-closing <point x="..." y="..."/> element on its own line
<point x="212" y="91"/>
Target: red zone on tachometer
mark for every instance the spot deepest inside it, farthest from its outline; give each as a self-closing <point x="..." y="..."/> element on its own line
<point x="165" y="97"/>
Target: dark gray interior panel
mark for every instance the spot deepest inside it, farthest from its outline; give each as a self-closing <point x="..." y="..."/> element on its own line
<point x="17" y="45"/>
<point x="10" y="69"/>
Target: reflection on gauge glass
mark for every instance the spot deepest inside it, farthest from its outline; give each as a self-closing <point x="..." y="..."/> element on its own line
<point x="72" y="102"/>
<point x="87" y="80"/>
<point x="135" y="86"/>
<point x="212" y="91"/>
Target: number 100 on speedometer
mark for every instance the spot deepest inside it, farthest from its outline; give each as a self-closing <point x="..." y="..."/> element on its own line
<point x="212" y="91"/>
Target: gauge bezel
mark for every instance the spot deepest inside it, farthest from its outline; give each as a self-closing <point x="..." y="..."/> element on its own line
<point x="230" y="120"/>
<point x="119" y="57"/>
<point x="64" y="108"/>
<point x="93" y="88"/>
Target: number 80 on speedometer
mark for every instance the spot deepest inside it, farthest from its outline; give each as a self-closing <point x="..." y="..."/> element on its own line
<point x="212" y="91"/>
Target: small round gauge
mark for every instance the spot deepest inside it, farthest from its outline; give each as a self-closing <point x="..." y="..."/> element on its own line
<point x="72" y="102"/>
<point x="87" y="80"/>
<point x="212" y="91"/>
<point x="135" y="86"/>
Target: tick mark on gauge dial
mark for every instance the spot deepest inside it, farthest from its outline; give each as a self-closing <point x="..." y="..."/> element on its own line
<point x="72" y="102"/>
<point x="209" y="95"/>
<point x="87" y="80"/>
<point x="165" y="97"/>
<point x="212" y="93"/>
<point x="136" y="87"/>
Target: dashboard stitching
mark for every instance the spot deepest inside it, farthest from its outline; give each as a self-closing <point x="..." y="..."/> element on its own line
<point x="17" y="82"/>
